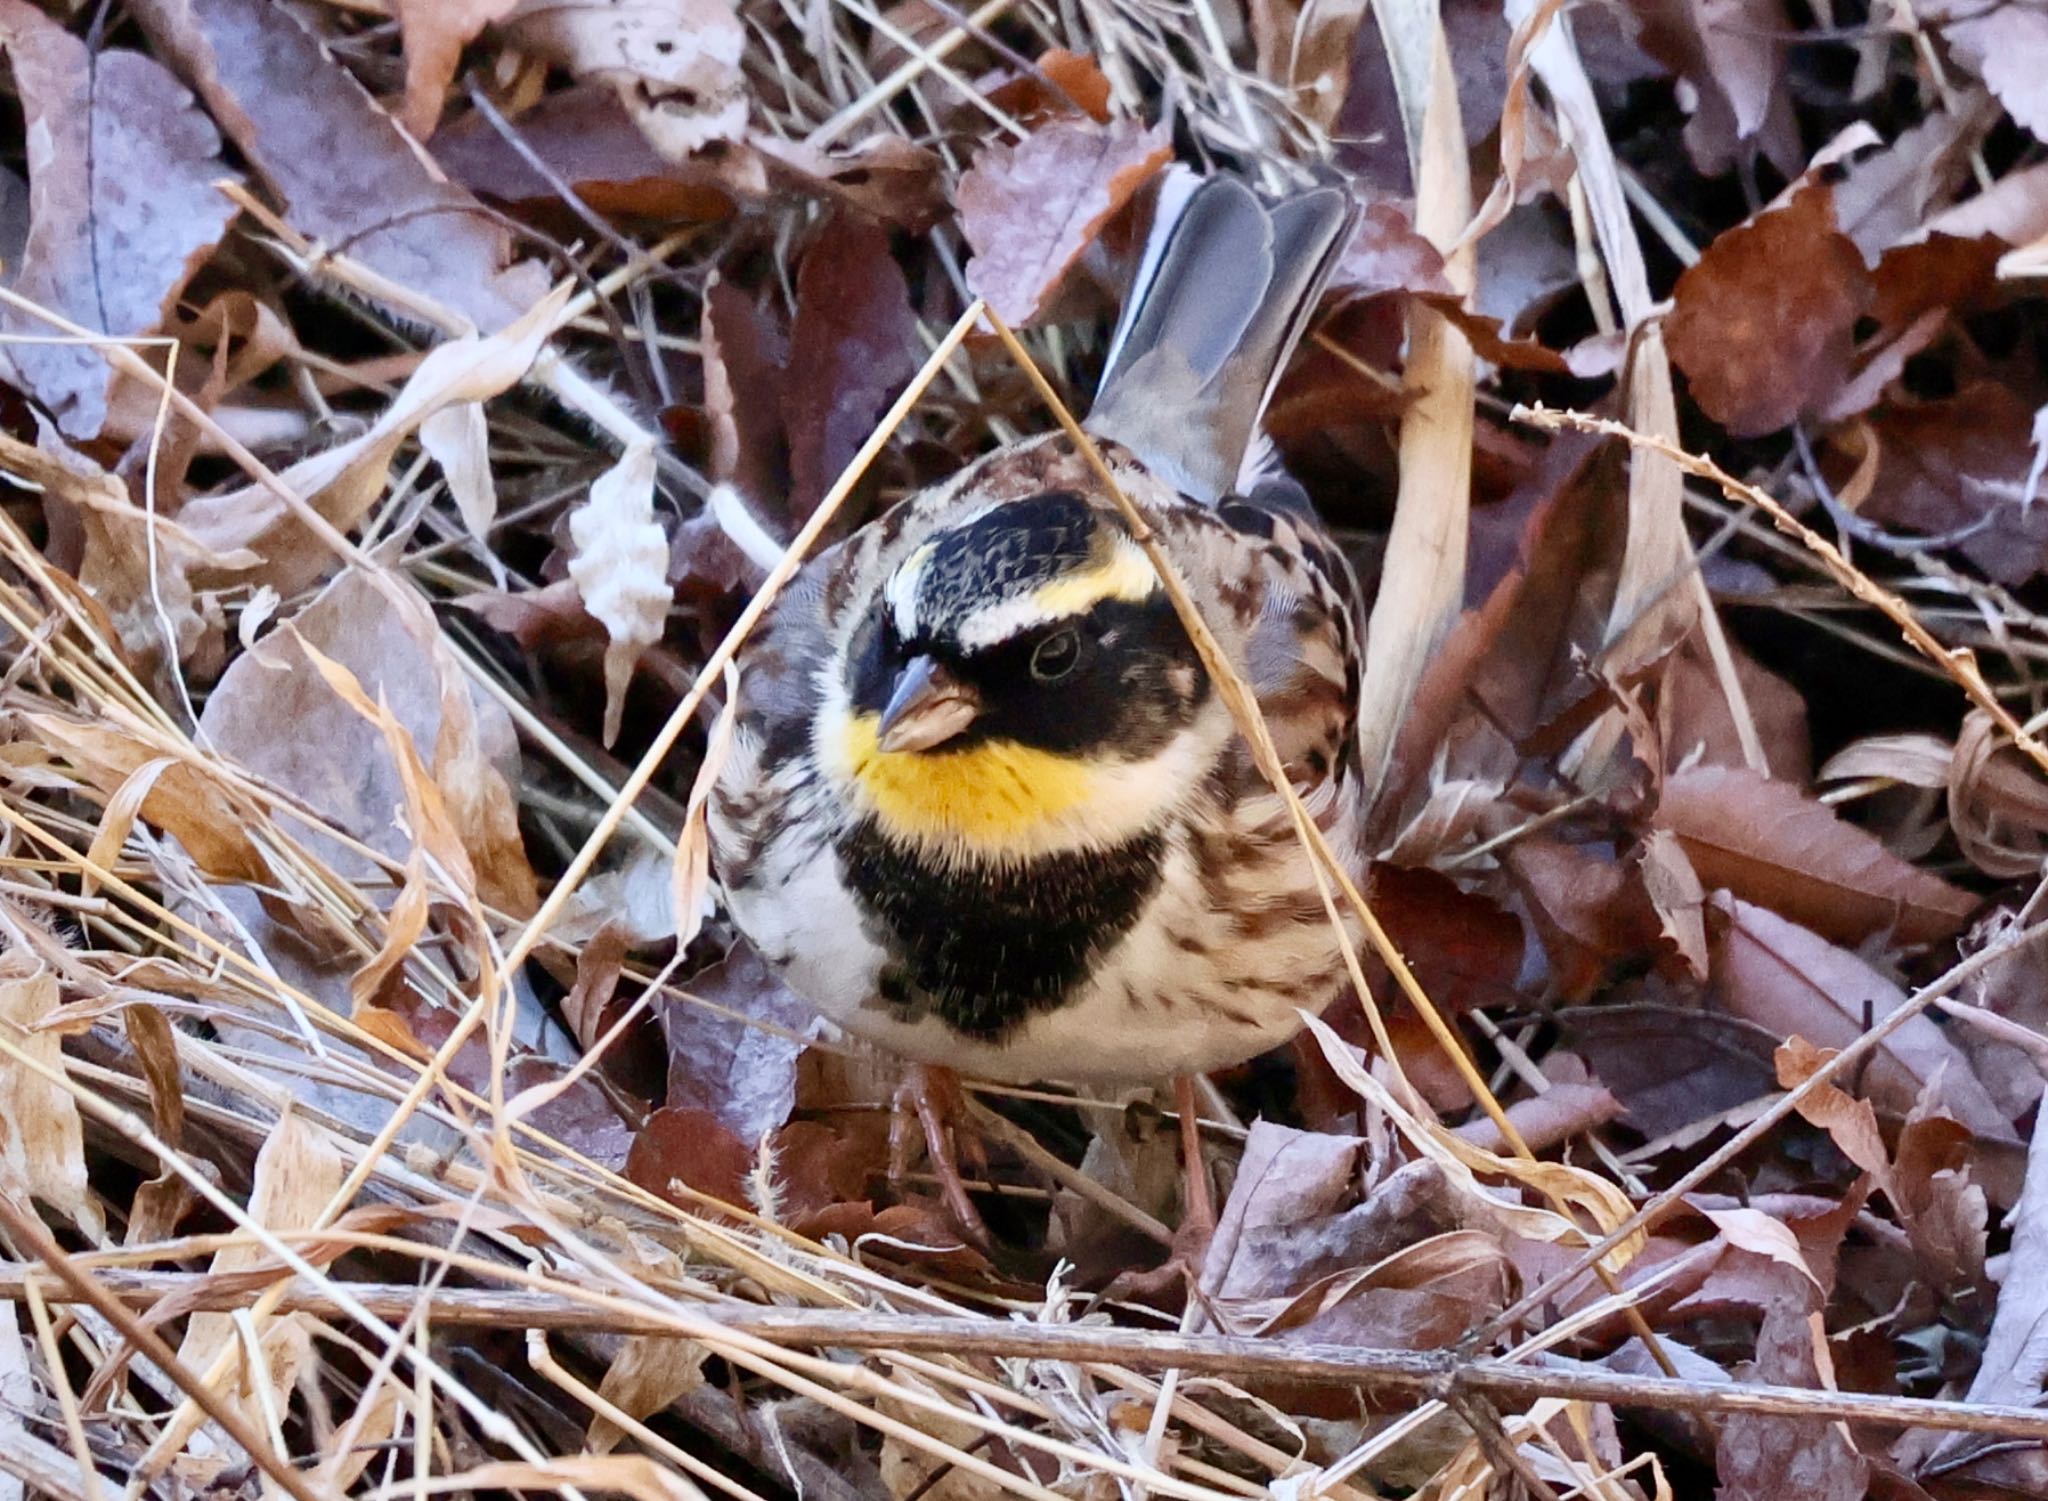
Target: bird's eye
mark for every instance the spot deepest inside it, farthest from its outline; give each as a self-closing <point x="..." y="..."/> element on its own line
<point x="1056" y="656"/>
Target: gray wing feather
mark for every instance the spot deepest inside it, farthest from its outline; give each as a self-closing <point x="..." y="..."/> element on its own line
<point x="1224" y="295"/>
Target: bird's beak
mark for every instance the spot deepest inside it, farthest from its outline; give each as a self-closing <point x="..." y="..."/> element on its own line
<point x="928" y="707"/>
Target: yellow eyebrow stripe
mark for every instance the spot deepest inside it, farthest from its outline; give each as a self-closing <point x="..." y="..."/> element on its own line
<point x="1128" y="575"/>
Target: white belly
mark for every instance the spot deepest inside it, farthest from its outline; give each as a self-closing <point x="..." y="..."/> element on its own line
<point x="1182" y="992"/>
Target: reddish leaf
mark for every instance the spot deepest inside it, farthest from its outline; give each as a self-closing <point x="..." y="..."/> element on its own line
<point x="1464" y="949"/>
<point x="1770" y="843"/>
<point x="1065" y="84"/>
<point x="1957" y="461"/>
<point x="585" y="138"/>
<point x="1388" y="255"/>
<point x="693" y="1148"/>
<point x="1763" y="325"/>
<point x="852" y="347"/>
<point x="1031" y="209"/>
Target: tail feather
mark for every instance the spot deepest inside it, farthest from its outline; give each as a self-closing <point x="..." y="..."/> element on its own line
<point x="1225" y="291"/>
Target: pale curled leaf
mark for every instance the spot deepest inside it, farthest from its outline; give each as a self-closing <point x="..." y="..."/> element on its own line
<point x="122" y="202"/>
<point x="298" y="1171"/>
<point x="1754" y="1231"/>
<point x="620" y="568"/>
<point x="459" y="440"/>
<point x="675" y="63"/>
<point x="1423" y="583"/>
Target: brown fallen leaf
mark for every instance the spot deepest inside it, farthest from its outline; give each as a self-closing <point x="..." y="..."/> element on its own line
<point x="183" y="794"/>
<point x="1763" y="325"/>
<point x="1957" y="462"/>
<point x="1674" y="890"/>
<point x="123" y="205"/>
<point x="746" y="365"/>
<point x="1771" y="1458"/>
<point x="1794" y="983"/>
<point x="693" y="1148"/>
<point x="1465" y="949"/>
<point x="1064" y="84"/>
<point x="1768" y="843"/>
<point x="345" y="171"/>
<point x="1029" y="210"/>
<point x="149" y="572"/>
<point x="336" y="763"/>
<point x="852" y="347"/>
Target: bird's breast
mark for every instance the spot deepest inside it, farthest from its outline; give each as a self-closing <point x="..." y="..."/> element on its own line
<point x="984" y="945"/>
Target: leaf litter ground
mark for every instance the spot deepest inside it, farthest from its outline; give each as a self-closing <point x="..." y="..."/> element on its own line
<point x="407" y="407"/>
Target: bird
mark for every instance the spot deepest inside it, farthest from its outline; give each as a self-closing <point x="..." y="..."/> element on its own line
<point x="984" y="807"/>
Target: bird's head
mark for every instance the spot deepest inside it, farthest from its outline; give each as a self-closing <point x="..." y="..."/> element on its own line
<point x="1020" y="683"/>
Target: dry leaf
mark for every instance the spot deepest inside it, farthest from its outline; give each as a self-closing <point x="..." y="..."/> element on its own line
<point x="459" y="440"/>
<point x="298" y="1171"/>
<point x="1768" y="843"/>
<point x="122" y="200"/>
<point x="1031" y="209"/>
<point x="149" y="572"/>
<point x="1675" y="892"/>
<point x="344" y="481"/>
<point x="1763" y="325"/>
<point x="1794" y="983"/>
<point x="337" y="764"/>
<point x="42" y="1139"/>
<point x="435" y="33"/>
<point x="675" y="63"/>
<point x="852" y="346"/>
<point x="620" y="567"/>
<point x="188" y="800"/>
<point x="348" y="174"/>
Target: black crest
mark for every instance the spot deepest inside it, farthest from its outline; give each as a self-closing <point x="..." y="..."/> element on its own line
<point x="1013" y="549"/>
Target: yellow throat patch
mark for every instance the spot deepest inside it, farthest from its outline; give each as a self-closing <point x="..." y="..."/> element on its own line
<point x="992" y="794"/>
